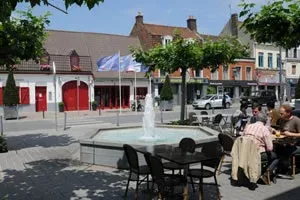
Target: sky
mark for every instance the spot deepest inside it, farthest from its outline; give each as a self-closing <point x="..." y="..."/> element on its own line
<point x="118" y="16"/>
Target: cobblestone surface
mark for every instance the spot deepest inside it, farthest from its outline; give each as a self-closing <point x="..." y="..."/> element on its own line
<point x="44" y="165"/>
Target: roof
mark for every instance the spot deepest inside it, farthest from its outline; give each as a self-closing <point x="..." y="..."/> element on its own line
<point x="94" y="45"/>
<point x="209" y="37"/>
<point x="162" y="30"/>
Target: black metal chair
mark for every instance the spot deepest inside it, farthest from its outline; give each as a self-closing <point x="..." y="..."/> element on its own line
<point x="205" y="120"/>
<point x="135" y="168"/>
<point x="212" y="150"/>
<point x="186" y="145"/>
<point x="164" y="182"/>
<point x="226" y="142"/>
<point x="216" y="123"/>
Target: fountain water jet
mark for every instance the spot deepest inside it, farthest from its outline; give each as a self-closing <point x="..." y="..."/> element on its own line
<point x="149" y="121"/>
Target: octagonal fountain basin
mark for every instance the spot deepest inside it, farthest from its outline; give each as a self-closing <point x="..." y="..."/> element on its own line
<point x="105" y="147"/>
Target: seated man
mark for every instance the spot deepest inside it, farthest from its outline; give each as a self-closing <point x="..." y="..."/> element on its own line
<point x="256" y="109"/>
<point x="262" y="136"/>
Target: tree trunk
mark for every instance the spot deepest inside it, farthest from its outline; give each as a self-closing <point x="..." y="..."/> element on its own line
<point x="183" y="89"/>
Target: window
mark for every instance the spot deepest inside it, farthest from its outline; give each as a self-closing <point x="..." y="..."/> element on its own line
<point x="270" y="60"/>
<point x="293" y="69"/>
<point x="248" y="73"/>
<point x="261" y="59"/>
<point x="74" y="58"/>
<point x="166" y="40"/>
<point x="198" y="73"/>
<point x="162" y="73"/>
<point x="214" y="75"/>
<point x="45" y="59"/>
<point x="237" y="73"/>
<point x="278" y="60"/>
<point x="141" y="92"/>
<point x="295" y="53"/>
<point x="225" y="73"/>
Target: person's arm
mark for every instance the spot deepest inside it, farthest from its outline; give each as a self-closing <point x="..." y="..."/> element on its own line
<point x="297" y="134"/>
<point x="268" y="140"/>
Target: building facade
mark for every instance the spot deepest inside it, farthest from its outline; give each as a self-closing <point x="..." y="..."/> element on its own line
<point x="292" y="67"/>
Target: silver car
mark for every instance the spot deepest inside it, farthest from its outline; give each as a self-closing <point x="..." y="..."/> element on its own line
<point x="212" y="101"/>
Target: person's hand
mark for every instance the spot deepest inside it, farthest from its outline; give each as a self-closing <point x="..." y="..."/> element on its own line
<point x="287" y="133"/>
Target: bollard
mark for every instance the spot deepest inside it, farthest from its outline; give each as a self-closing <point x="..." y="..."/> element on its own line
<point x="43" y="114"/>
<point x="1" y="124"/>
<point x="213" y="110"/>
<point x="99" y="110"/>
<point x="161" y="116"/>
<point x="65" y="121"/>
<point x="118" y="123"/>
<point x="186" y="115"/>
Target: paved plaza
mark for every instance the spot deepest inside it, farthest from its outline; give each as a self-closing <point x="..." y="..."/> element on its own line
<point x="44" y="164"/>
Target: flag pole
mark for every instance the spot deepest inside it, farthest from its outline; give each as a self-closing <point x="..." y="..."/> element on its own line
<point x="55" y="100"/>
<point x="135" y="101"/>
<point x="120" y="87"/>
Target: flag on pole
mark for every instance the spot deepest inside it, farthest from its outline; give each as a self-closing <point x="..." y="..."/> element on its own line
<point x="108" y="63"/>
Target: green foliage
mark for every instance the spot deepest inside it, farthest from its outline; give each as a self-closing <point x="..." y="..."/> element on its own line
<point x="7" y="6"/>
<point x="211" y="90"/>
<point x="185" y="54"/>
<point x="3" y="144"/>
<point x="22" y="38"/>
<point x="166" y="93"/>
<point x="11" y="92"/>
<point x="61" y="104"/>
<point x="181" y="122"/>
<point x="278" y="22"/>
<point x="297" y="90"/>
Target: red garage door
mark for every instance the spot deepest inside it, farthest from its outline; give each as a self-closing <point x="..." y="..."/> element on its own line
<point x="70" y="99"/>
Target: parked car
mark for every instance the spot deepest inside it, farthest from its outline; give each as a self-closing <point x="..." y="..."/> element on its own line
<point x="212" y="101"/>
<point x="261" y="97"/>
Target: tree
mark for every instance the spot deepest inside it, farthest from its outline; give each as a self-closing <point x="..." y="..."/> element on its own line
<point x="278" y="22"/>
<point x="166" y="93"/>
<point x="185" y="54"/>
<point x="11" y="92"/>
<point x="297" y="90"/>
<point x="7" y="6"/>
<point x="22" y="38"/>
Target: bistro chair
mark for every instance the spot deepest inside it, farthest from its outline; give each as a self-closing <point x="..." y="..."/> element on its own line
<point x="186" y="145"/>
<point x="226" y="142"/>
<point x="216" y="123"/>
<point x="134" y="168"/>
<point x="205" y="120"/>
<point x="165" y="182"/>
<point x="213" y="151"/>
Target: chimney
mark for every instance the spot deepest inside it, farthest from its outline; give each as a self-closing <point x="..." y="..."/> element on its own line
<point x="192" y="23"/>
<point x="234" y="24"/>
<point x="139" y="18"/>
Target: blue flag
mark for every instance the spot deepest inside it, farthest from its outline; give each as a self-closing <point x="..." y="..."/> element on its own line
<point x="108" y="63"/>
<point x="126" y="62"/>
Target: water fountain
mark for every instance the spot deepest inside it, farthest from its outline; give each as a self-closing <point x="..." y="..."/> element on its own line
<point x="149" y="121"/>
<point x="105" y="147"/>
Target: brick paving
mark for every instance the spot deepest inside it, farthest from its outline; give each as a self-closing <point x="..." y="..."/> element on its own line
<point x="44" y="165"/>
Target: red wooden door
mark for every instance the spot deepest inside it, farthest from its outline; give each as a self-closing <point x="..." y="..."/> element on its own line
<point x="40" y="99"/>
<point x="70" y="99"/>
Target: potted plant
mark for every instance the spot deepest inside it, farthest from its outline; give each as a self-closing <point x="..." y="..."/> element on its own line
<point x="166" y="95"/>
<point x="94" y="105"/>
<point x="61" y="106"/>
<point x="297" y="95"/>
<point x="10" y="97"/>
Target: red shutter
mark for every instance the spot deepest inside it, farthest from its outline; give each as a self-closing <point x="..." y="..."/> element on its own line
<point x="24" y="95"/>
<point x="1" y="96"/>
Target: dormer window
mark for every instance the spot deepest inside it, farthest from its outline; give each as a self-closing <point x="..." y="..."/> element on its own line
<point x="74" y="58"/>
<point x="45" y="61"/>
<point x="166" y="40"/>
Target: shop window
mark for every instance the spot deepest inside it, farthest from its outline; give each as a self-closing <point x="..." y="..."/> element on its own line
<point x="293" y="69"/>
<point x="248" y="73"/>
<point x="261" y="59"/>
<point x="141" y="92"/>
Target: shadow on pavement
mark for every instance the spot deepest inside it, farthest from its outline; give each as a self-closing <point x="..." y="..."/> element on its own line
<point x="38" y="140"/>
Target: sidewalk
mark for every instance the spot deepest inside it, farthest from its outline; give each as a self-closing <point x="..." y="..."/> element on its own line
<point x="50" y="115"/>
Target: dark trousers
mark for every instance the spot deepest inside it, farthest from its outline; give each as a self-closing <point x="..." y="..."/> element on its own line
<point x="268" y="156"/>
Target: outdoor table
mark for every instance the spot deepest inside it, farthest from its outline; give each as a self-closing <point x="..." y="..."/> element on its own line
<point x="175" y="155"/>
